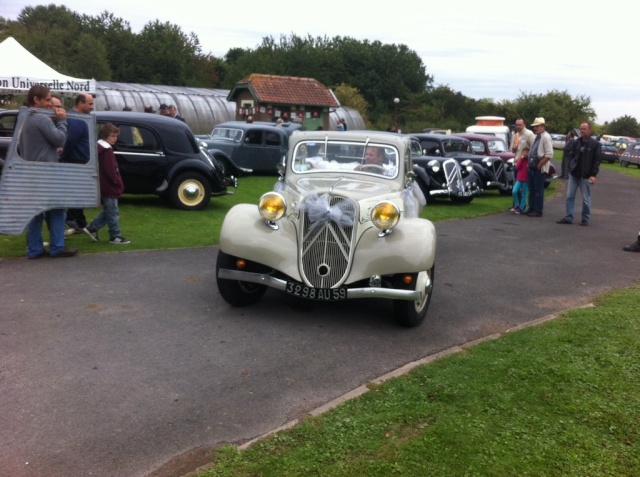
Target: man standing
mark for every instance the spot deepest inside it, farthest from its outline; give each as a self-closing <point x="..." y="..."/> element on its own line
<point x="524" y="140"/>
<point x="583" y="166"/>
<point x="539" y="156"/>
<point x="164" y="109"/>
<point x="40" y="139"/>
<point x="173" y="112"/>
<point x="76" y="151"/>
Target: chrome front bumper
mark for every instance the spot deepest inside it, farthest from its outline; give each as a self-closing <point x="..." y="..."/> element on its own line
<point x="369" y="292"/>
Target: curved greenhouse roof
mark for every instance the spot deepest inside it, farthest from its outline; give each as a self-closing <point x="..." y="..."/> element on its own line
<point x="201" y="108"/>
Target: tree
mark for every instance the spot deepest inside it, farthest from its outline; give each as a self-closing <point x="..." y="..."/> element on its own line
<point x="561" y="111"/>
<point x="351" y="98"/>
<point x="623" y="126"/>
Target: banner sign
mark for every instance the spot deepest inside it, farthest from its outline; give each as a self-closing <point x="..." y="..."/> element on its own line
<point x="57" y="85"/>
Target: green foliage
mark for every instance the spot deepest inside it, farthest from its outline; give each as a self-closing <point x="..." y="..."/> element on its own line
<point x="104" y="47"/>
<point x="350" y="97"/>
<point x="380" y="72"/>
<point x="561" y="112"/>
<point x="623" y="126"/>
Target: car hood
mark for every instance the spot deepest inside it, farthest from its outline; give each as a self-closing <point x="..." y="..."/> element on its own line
<point x="356" y="188"/>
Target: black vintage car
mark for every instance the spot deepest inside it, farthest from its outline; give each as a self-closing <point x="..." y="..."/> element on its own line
<point x="444" y="177"/>
<point x="160" y="155"/>
<point x="249" y="147"/>
<point x="492" y="171"/>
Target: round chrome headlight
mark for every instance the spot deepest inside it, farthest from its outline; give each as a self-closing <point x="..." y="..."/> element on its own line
<point x="272" y="206"/>
<point x="434" y="165"/>
<point x="385" y="215"/>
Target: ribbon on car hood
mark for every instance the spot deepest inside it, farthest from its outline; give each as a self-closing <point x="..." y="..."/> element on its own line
<point x="320" y="212"/>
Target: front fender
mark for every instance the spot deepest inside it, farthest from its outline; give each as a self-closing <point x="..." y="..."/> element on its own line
<point x="245" y="234"/>
<point x="230" y="166"/>
<point x="410" y="247"/>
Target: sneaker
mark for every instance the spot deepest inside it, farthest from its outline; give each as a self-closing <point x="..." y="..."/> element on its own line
<point x="517" y="211"/>
<point x="119" y="240"/>
<point x="69" y="232"/>
<point x="91" y="232"/>
<point x="66" y="252"/>
<point x="513" y="209"/>
<point x="72" y="224"/>
<point x="634" y="247"/>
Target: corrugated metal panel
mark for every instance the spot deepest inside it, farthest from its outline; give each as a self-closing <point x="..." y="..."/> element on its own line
<point x="28" y="188"/>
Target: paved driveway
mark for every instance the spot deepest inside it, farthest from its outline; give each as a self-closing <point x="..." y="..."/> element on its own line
<point x="130" y="364"/>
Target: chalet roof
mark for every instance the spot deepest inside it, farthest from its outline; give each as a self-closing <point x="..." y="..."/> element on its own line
<point x="285" y="90"/>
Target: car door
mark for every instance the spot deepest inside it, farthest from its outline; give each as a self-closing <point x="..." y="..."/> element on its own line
<point x="28" y="188"/>
<point x="141" y="159"/>
<point x="261" y="150"/>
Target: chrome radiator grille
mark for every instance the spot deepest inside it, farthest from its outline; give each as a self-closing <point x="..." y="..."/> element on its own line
<point x="452" y="173"/>
<point x="326" y="250"/>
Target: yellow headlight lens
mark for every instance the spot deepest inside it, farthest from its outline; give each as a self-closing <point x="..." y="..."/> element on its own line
<point x="385" y="215"/>
<point x="272" y="206"/>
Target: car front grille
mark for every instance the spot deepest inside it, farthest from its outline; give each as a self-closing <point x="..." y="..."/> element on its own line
<point x="451" y="170"/>
<point x="497" y="166"/>
<point x="326" y="248"/>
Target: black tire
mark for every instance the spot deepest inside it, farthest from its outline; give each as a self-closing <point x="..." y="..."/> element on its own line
<point x="504" y="192"/>
<point x="222" y="164"/>
<point x="235" y="292"/>
<point x="411" y="313"/>
<point x="190" y="191"/>
<point x="624" y="163"/>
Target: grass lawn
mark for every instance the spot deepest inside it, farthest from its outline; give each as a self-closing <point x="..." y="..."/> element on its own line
<point x="151" y="223"/>
<point x="560" y="399"/>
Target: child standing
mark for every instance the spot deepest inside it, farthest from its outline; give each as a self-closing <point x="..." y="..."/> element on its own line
<point x="521" y="187"/>
<point x="111" y="188"/>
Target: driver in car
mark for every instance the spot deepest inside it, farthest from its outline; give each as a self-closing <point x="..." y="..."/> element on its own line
<point x="374" y="159"/>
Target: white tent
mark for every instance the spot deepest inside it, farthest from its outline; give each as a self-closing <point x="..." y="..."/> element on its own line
<point x="19" y="70"/>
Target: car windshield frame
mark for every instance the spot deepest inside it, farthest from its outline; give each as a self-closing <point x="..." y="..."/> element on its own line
<point x="343" y="156"/>
<point x="227" y="134"/>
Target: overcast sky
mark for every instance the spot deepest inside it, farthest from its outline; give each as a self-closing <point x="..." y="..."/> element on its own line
<point x="495" y="49"/>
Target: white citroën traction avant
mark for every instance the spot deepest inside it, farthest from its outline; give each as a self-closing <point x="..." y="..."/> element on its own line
<point x="342" y="223"/>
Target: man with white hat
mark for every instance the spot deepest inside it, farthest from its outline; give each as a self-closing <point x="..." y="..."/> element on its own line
<point x="539" y="156"/>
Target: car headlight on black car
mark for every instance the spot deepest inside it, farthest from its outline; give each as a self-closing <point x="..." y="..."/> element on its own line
<point x="272" y="206"/>
<point x="385" y="215"/>
<point x="466" y="166"/>
<point x="434" y="165"/>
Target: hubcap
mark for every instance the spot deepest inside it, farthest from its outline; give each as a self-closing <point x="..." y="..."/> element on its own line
<point x="191" y="192"/>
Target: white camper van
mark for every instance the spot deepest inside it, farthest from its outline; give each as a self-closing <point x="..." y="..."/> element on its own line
<point x="491" y="125"/>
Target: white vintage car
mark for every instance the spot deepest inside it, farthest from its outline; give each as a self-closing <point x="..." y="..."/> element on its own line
<point x="342" y="223"/>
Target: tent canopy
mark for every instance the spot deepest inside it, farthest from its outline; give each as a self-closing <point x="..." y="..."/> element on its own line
<point x="20" y="70"/>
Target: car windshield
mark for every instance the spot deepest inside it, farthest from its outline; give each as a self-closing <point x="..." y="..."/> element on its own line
<point x="331" y="156"/>
<point x="227" y="134"/>
<point x="497" y="145"/>
<point x="453" y="146"/>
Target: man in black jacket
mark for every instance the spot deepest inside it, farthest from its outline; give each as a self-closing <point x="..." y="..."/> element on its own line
<point x="584" y="164"/>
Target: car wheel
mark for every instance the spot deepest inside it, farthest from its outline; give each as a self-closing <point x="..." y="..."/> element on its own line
<point x="222" y="165"/>
<point x="235" y="292"/>
<point x="190" y="191"/>
<point x="624" y="163"/>
<point x="412" y="313"/>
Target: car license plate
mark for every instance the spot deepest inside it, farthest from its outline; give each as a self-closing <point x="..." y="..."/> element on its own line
<point x="310" y="293"/>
